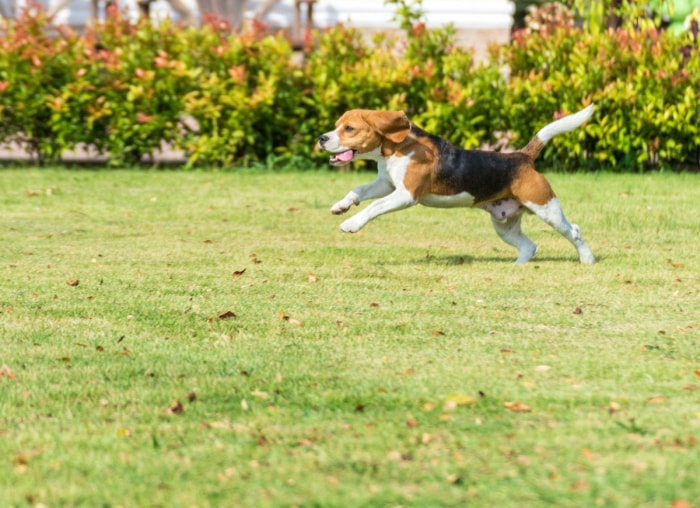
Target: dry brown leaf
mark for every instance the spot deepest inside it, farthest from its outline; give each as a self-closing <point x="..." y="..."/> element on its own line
<point x="454" y="479"/>
<point x="411" y="422"/>
<point x="681" y="503"/>
<point x="659" y="399"/>
<point x="517" y="407"/>
<point x="5" y="371"/>
<point x="228" y="315"/>
<point x="588" y="454"/>
<point x="238" y="273"/>
<point x="176" y="408"/>
<point x="72" y="281"/>
<point x="312" y="278"/>
<point x="289" y="320"/>
<point x="437" y="333"/>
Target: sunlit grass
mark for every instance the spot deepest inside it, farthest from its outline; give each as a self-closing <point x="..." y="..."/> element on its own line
<point x="412" y="364"/>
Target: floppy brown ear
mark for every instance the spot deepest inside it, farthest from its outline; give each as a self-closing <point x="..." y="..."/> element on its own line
<point x="393" y="125"/>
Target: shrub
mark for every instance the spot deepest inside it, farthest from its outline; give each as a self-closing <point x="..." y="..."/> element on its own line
<point x="225" y="98"/>
<point x="644" y="87"/>
<point x="34" y="68"/>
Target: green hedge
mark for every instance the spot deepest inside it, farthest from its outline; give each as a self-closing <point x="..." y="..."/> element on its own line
<point x="126" y="89"/>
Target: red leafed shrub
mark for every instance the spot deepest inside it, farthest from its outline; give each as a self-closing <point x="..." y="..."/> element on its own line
<point x="645" y="83"/>
<point x="126" y="89"/>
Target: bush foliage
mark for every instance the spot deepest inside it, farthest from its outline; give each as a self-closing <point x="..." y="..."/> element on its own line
<point x="126" y="89"/>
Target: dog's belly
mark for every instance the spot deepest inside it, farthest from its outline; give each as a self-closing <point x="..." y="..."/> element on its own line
<point x="452" y="201"/>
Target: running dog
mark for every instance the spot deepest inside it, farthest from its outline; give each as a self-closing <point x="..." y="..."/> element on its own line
<point x="417" y="167"/>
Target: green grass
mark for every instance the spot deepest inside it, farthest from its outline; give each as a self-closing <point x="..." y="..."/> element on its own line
<point x="359" y="370"/>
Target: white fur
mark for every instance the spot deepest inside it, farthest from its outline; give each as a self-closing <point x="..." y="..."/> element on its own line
<point x="566" y="124"/>
<point x="552" y="214"/>
<point x="511" y="232"/>
<point x="388" y="186"/>
<point x="333" y="143"/>
<point x="454" y="201"/>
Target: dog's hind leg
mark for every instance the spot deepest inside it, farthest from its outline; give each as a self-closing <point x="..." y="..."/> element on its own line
<point x="511" y="232"/>
<point x="552" y="214"/>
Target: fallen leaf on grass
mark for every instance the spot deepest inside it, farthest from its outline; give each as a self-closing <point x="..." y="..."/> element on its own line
<point x="437" y="333"/>
<point x="411" y="422"/>
<point x="238" y="273"/>
<point x="517" y="407"/>
<point x="681" y="503"/>
<point x="312" y="278"/>
<point x="5" y="371"/>
<point x="578" y="311"/>
<point x="656" y="400"/>
<point x="72" y="281"/>
<point x="454" y="479"/>
<point x="288" y="319"/>
<point x="579" y="486"/>
<point x="588" y="454"/>
<point x="454" y="400"/>
<point x="613" y="408"/>
<point x="228" y="315"/>
<point x="176" y="408"/>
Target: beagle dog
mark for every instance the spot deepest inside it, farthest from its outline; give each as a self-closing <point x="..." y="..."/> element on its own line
<point x="417" y="167"/>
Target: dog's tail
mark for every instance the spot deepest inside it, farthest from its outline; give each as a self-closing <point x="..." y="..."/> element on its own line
<point x="566" y="124"/>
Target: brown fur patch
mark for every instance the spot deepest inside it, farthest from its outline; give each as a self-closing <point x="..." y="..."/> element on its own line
<point x="533" y="148"/>
<point x="532" y="187"/>
<point x="364" y="130"/>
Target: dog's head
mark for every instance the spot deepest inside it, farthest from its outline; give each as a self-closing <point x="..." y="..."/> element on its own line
<point x="365" y="134"/>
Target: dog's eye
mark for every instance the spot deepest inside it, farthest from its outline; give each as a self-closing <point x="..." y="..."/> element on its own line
<point x="349" y="128"/>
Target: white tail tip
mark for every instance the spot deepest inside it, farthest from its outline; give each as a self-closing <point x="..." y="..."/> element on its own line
<point x="566" y="124"/>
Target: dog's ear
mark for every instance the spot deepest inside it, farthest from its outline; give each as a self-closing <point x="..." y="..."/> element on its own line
<point x="393" y="125"/>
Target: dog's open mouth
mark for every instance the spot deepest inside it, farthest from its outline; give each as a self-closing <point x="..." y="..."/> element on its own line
<point x="342" y="158"/>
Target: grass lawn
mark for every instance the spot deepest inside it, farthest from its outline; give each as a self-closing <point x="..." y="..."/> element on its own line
<point x="213" y="339"/>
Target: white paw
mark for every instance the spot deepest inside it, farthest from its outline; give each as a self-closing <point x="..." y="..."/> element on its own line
<point x="341" y="207"/>
<point x="351" y="226"/>
<point x="586" y="256"/>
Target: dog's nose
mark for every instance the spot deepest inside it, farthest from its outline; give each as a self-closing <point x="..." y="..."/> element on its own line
<point x="322" y="139"/>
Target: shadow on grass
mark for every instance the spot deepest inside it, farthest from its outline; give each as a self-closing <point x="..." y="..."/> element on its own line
<point x="507" y="260"/>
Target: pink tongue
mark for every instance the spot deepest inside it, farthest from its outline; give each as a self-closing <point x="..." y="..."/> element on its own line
<point x="345" y="156"/>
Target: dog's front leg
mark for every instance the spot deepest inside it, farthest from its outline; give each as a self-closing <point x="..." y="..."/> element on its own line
<point x="397" y="200"/>
<point x="378" y="188"/>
